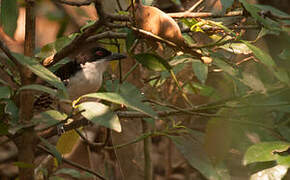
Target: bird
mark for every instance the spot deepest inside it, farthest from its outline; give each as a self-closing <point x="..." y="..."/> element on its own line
<point x="82" y="75"/>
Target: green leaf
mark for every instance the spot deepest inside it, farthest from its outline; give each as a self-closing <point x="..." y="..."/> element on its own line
<point x="265" y="151"/>
<point x="177" y="2"/>
<point x="129" y="96"/>
<point x="59" y="64"/>
<point x="40" y="88"/>
<point x="12" y="110"/>
<point x="255" y="13"/>
<point x="191" y="147"/>
<point x="9" y="16"/>
<point x="100" y="114"/>
<point x="41" y="71"/>
<point x="49" y="118"/>
<point x="264" y="32"/>
<point x="226" y="4"/>
<point x="152" y="62"/>
<point x="52" y="48"/>
<point x="267" y="60"/>
<point x="4" y="82"/>
<point x="72" y="172"/>
<point x="88" y="24"/>
<point x="52" y="149"/>
<point x="247" y="79"/>
<point x="130" y="39"/>
<point x="200" y="70"/>
<point x="129" y="101"/>
<point x="285" y="54"/>
<point x="262" y="56"/>
<point x="203" y="90"/>
<point x="5" y="92"/>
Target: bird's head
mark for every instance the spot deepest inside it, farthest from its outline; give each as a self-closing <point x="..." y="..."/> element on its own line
<point x="96" y="55"/>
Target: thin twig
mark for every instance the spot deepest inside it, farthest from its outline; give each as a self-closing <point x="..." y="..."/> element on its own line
<point x="119" y="5"/>
<point x="195" y="6"/>
<point x="73" y="164"/>
<point x="205" y="14"/>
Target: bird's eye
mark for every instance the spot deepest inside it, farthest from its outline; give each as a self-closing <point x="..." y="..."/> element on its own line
<point x="100" y="53"/>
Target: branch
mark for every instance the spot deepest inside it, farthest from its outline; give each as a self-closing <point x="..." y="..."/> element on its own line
<point x="73" y="3"/>
<point x="184" y="48"/>
<point x="79" y="41"/>
<point x="117" y="17"/>
<point x="204" y="14"/>
<point x="107" y="34"/>
<point x="8" y="53"/>
<point x="234" y="27"/>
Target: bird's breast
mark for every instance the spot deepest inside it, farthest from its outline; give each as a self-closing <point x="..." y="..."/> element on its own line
<point x="87" y="80"/>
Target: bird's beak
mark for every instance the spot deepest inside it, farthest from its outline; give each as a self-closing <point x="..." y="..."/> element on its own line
<point x="115" y="56"/>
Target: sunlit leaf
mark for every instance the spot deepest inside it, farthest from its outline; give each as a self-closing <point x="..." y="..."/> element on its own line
<point x="274" y="173"/>
<point x="265" y="151"/>
<point x="100" y="114"/>
<point x="9" y="16"/>
<point x="67" y="141"/>
<point x="52" y="149"/>
<point x="152" y="62"/>
<point x="236" y="48"/>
